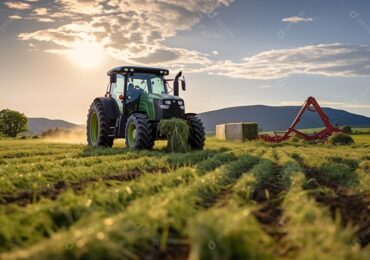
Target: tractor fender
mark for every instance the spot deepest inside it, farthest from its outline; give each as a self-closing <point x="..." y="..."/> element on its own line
<point x="110" y="107"/>
<point x="135" y="112"/>
<point x="187" y="115"/>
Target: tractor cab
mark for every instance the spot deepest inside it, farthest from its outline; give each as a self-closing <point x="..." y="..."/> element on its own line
<point x="137" y="98"/>
<point x="145" y="89"/>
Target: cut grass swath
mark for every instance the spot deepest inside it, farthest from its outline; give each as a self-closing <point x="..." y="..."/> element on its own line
<point x="49" y="217"/>
<point x="149" y="216"/>
<point x="177" y="133"/>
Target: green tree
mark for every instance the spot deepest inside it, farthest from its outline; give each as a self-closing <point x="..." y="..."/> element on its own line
<point x="12" y="122"/>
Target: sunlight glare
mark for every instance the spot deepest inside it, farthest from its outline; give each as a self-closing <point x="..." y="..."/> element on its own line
<point x="87" y="54"/>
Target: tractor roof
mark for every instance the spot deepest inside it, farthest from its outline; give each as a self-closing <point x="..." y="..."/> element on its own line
<point x="138" y="69"/>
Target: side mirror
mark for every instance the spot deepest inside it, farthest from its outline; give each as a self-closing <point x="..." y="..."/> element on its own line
<point x="176" y="88"/>
<point x="183" y="84"/>
<point x="113" y="78"/>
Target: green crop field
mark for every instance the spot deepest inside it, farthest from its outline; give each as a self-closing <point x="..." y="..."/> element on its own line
<point x="229" y="201"/>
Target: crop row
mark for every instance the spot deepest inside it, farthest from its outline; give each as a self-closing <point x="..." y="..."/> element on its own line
<point x="258" y="201"/>
<point x="17" y="178"/>
<point x="47" y="217"/>
<point x="129" y="233"/>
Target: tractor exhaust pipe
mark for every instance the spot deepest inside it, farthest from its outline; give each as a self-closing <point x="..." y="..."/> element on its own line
<point x="176" y="84"/>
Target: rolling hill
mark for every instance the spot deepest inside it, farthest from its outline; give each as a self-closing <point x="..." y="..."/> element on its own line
<point x="278" y="118"/>
<point x="268" y="118"/>
<point x="38" y="125"/>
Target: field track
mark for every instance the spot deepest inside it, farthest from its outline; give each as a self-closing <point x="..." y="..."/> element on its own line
<point x="229" y="201"/>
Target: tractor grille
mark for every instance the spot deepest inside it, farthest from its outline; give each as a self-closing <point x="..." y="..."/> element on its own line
<point x="174" y="110"/>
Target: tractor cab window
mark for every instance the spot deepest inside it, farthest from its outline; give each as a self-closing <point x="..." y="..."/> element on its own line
<point x="116" y="89"/>
<point x="145" y="82"/>
<point x="158" y="86"/>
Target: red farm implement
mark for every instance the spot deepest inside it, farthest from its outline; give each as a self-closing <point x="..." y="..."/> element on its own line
<point x="310" y="105"/>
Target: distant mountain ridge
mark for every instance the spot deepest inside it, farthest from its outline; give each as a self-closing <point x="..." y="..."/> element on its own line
<point x="278" y="118"/>
<point x="38" y="125"/>
<point x="268" y="118"/>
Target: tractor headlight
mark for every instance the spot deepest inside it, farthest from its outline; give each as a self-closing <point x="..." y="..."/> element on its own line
<point x="180" y="102"/>
<point x="167" y="102"/>
<point x="164" y="106"/>
<point x="182" y="107"/>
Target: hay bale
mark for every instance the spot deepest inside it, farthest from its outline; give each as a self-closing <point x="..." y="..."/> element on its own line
<point x="237" y="131"/>
<point x="177" y="133"/>
<point x="221" y="132"/>
<point x="250" y="131"/>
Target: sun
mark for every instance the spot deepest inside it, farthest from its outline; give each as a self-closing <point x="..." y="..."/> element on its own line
<point x="86" y="54"/>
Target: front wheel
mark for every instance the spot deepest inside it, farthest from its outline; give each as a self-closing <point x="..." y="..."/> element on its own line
<point x="139" y="132"/>
<point x="196" y="133"/>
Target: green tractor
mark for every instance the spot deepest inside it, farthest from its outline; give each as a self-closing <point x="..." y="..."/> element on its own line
<point x="137" y="98"/>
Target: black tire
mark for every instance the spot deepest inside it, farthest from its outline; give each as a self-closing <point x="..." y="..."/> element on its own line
<point x="144" y="132"/>
<point x="196" y="132"/>
<point x="102" y="138"/>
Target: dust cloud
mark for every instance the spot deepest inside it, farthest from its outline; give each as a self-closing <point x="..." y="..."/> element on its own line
<point x="70" y="136"/>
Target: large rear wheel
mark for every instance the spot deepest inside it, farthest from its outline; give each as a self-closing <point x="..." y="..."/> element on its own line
<point x="196" y="133"/>
<point x="139" y="132"/>
<point x="98" y="126"/>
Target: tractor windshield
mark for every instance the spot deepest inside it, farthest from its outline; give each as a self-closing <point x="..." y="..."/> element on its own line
<point x="149" y="83"/>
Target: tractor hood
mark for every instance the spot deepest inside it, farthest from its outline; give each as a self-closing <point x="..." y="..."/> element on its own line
<point x="164" y="96"/>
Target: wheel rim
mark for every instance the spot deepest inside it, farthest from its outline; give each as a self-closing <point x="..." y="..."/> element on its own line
<point x="94" y="128"/>
<point x="131" y="134"/>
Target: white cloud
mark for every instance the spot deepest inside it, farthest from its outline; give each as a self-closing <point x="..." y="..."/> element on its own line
<point x="15" y="17"/>
<point x="128" y="30"/>
<point x="340" y="60"/>
<point x="135" y="32"/>
<point x="65" y="35"/>
<point x="90" y="7"/>
<point x="328" y="104"/>
<point x="18" y="5"/>
<point x="266" y="86"/>
<point x="45" y="20"/>
<point x="40" y="11"/>
<point x="297" y="19"/>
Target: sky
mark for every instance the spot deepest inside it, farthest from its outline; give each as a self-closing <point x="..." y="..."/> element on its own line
<point x="54" y="54"/>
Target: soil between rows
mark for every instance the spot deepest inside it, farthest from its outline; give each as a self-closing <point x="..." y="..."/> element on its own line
<point x="27" y="197"/>
<point x="269" y="215"/>
<point x="354" y="209"/>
